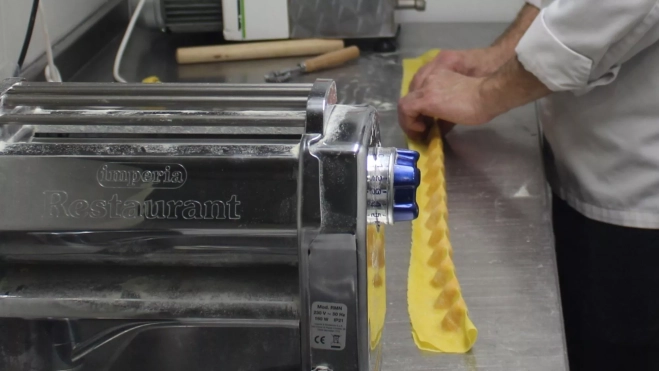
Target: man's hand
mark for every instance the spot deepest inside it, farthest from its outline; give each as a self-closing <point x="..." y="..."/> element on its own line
<point x="451" y="97"/>
<point x="474" y="62"/>
<point x="447" y="96"/>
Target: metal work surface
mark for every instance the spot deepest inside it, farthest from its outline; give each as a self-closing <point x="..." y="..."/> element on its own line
<point x="499" y="214"/>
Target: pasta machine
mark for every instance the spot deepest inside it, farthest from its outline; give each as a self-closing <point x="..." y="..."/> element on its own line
<point x="276" y="19"/>
<point x="194" y="226"/>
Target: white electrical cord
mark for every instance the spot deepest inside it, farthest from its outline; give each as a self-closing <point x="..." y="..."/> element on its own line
<point x="51" y="72"/>
<point x="124" y="42"/>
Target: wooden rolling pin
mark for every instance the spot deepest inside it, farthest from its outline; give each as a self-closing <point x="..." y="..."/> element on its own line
<point x="260" y="50"/>
<point x="331" y="59"/>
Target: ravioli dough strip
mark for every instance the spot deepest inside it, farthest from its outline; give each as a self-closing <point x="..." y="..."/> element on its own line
<point x="438" y="312"/>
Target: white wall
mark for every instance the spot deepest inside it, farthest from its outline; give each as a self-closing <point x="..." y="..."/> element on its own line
<point x="62" y="16"/>
<point x="464" y="11"/>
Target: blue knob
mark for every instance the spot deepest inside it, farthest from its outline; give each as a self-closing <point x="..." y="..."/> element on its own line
<point x="407" y="178"/>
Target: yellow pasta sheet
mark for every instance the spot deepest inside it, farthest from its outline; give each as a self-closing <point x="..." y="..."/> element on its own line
<point x="438" y="312"/>
<point x="377" y="292"/>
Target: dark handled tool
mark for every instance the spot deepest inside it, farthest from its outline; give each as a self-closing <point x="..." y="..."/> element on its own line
<point x="328" y="60"/>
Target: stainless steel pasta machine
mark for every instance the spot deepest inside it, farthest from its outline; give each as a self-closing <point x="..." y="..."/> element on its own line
<point x="192" y="226"/>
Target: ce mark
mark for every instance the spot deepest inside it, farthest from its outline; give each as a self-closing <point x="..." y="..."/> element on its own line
<point x="319" y="340"/>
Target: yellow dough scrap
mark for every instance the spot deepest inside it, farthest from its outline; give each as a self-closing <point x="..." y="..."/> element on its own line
<point x="438" y="313"/>
<point x="377" y="292"/>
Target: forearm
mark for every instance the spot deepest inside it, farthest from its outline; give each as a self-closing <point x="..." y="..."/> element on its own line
<point x="504" y="46"/>
<point x="510" y="87"/>
<point x="456" y="98"/>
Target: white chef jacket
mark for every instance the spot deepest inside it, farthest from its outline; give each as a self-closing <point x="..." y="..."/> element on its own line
<point x="601" y="57"/>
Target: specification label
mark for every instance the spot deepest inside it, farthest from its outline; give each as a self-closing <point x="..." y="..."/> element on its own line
<point x="329" y="322"/>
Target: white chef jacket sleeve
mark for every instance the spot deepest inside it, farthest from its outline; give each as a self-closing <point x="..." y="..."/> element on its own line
<point x="575" y="44"/>
<point x="536" y="3"/>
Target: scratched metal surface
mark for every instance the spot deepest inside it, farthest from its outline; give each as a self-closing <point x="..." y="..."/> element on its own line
<point x="499" y="215"/>
<point x="342" y="18"/>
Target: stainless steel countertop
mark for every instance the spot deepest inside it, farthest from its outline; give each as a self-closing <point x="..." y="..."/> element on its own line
<point x="498" y="202"/>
